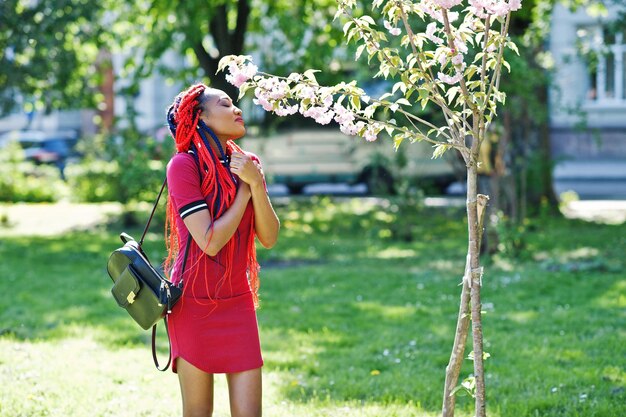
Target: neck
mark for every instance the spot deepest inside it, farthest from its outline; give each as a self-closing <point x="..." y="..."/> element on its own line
<point x="223" y="143"/>
<point x="213" y="140"/>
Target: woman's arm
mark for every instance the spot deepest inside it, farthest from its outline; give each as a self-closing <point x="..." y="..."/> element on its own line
<point x="212" y="239"/>
<point x="266" y="223"/>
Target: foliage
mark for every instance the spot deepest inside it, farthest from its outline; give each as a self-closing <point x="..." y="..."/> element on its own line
<point x="94" y="181"/>
<point x="463" y="84"/>
<point x="49" y="54"/>
<point x="141" y="170"/>
<point x="340" y="309"/>
<point x="200" y="33"/>
<point x="24" y="181"/>
<point x="127" y="168"/>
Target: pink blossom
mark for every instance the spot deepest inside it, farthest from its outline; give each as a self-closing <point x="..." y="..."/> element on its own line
<point x="457" y="59"/>
<point x="430" y="33"/>
<point x="328" y="101"/>
<point x="370" y="134"/>
<point x="287" y="110"/>
<point x="279" y="90"/>
<point x="443" y="59"/>
<point x="322" y="115"/>
<point x="429" y="10"/>
<point x="262" y="100"/>
<point x="343" y="116"/>
<point x="306" y="92"/>
<point x="479" y="12"/>
<point x="515" y="5"/>
<point x="349" y="129"/>
<point x="499" y="9"/>
<point x="392" y="30"/>
<point x="448" y="79"/>
<point x="460" y="46"/>
<point x="480" y="3"/>
<point x="238" y="76"/>
<point x="447" y="4"/>
<point x="483" y="8"/>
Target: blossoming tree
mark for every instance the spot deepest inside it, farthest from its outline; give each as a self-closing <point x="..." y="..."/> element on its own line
<point x="454" y="65"/>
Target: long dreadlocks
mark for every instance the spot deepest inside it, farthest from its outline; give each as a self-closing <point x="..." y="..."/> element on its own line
<point x="217" y="183"/>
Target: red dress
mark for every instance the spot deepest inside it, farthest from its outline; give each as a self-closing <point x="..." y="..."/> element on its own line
<point x="213" y="326"/>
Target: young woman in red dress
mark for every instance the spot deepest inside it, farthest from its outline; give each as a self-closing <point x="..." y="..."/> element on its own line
<point x="216" y="192"/>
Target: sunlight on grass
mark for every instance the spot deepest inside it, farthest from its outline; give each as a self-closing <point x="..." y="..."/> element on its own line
<point x="351" y="324"/>
<point x="392" y="253"/>
<point x="614" y="297"/>
<point x="522" y="317"/>
<point x="386" y="311"/>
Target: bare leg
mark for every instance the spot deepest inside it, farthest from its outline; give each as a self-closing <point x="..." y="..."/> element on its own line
<point x="196" y="387"/>
<point x="244" y="391"/>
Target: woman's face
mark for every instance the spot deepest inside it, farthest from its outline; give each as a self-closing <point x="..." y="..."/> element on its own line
<point x="221" y="115"/>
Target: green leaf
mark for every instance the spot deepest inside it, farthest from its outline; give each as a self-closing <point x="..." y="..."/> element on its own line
<point x="452" y="92"/>
<point x="359" y="51"/>
<point x="368" y="20"/>
<point x="244" y="87"/>
<point x="346" y="27"/>
<point x="513" y="47"/>
<point x="310" y="74"/>
<point x="506" y="64"/>
<point x="440" y="149"/>
<point x="356" y="102"/>
<point x="403" y="101"/>
<point x="397" y="141"/>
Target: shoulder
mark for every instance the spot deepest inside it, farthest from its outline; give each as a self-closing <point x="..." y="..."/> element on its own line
<point x="180" y="161"/>
<point x="182" y="167"/>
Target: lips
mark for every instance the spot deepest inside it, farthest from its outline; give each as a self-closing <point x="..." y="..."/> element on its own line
<point x="239" y="120"/>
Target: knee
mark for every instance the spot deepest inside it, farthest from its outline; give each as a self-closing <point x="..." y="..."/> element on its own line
<point x="204" y="411"/>
<point x="249" y="410"/>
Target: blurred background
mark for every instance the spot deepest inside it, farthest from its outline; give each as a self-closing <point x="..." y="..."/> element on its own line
<point x="85" y="84"/>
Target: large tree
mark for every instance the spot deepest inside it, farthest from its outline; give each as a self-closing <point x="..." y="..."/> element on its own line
<point x="46" y="51"/>
<point x="200" y="33"/>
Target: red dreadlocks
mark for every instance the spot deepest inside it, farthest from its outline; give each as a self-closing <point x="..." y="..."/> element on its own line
<point x="183" y="118"/>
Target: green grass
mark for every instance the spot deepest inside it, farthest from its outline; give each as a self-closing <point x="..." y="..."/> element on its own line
<point x="352" y="323"/>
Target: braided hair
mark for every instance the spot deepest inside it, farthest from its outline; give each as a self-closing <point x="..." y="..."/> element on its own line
<point x="217" y="183"/>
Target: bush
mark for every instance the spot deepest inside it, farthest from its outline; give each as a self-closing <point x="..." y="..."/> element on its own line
<point x="22" y="181"/>
<point x="94" y="181"/>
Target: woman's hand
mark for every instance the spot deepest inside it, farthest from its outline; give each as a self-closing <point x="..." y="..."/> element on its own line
<point x="246" y="169"/>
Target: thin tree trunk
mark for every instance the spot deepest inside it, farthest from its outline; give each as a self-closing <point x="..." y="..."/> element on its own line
<point x="462" y="325"/>
<point x="476" y="275"/>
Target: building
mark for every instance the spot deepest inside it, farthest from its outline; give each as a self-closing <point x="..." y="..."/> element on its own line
<point x="588" y="102"/>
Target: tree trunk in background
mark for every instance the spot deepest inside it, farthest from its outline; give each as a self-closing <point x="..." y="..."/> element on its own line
<point x="228" y="42"/>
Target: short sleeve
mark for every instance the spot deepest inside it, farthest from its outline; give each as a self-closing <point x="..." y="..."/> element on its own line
<point x="183" y="181"/>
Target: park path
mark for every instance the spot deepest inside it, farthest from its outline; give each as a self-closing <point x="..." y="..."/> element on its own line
<point x="22" y="219"/>
<point x="51" y="219"/>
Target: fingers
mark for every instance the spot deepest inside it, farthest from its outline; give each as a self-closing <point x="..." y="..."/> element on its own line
<point x="238" y="160"/>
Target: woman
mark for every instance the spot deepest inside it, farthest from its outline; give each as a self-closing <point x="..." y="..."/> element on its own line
<point x="217" y="193"/>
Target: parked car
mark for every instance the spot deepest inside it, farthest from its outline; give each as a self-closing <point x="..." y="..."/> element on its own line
<point x="43" y="147"/>
<point x="299" y="158"/>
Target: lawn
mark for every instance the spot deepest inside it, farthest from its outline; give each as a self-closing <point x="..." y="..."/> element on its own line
<point x="353" y="323"/>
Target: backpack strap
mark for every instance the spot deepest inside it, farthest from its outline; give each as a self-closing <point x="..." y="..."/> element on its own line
<point x="180" y="284"/>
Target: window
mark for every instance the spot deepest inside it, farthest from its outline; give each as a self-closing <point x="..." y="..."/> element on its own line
<point x="604" y="51"/>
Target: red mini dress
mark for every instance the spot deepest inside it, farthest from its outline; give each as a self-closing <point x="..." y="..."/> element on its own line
<point x="213" y="326"/>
